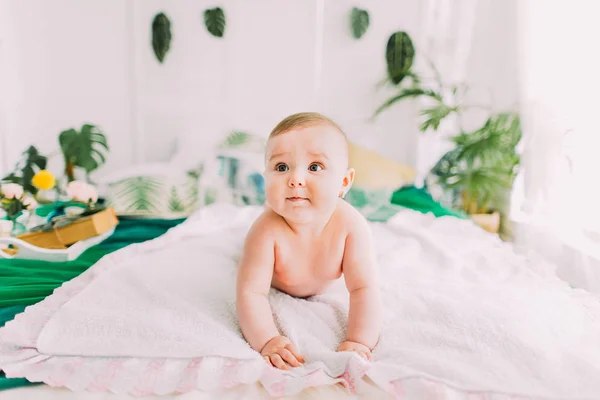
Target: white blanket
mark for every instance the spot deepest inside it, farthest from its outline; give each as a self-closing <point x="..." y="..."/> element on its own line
<point x="463" y="315"/>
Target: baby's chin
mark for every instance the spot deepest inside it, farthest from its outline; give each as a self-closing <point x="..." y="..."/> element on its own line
<point x="297" y="214"/>
<point x="301" y="214"/>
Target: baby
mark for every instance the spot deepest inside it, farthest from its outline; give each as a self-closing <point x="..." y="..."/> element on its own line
<point x="306" y="238"/>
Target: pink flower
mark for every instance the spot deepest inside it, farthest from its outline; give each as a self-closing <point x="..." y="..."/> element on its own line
<point x="82" y="191"/>
<point x="11" y="190"/>
<point x="29" y="203"/>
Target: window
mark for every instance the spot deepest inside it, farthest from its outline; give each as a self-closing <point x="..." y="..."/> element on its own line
<point x="560" y="105"/>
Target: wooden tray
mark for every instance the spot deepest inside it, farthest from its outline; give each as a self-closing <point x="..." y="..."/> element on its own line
<point x="27" y="251"/>
<point x="84" y="228"/>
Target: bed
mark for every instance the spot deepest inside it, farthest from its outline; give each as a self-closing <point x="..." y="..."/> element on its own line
<point x="465" y="316"/>
<point x="43" y="277"/>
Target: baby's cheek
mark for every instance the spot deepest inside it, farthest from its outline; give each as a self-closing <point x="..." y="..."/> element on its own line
<point x="272" y="190"/>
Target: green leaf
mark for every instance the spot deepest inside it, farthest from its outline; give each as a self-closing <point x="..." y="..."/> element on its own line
<point x="161" y="36"/>
<point x="493" y="143"/>
<point x="477" y="169"/>
<point x="435" y="115"/>
<point x="408" y="93"/>
<point x="400" y="54"/>
<point x="236" y="139"/>
<point x="175" y="202"/>
<point x="359" y="21"/>
<point x="139" y="194"/>
<point x="192" y="188"/>
<point x="214" y="19"/>
<point x="31" y="162"/>
<point x="83" y="148"/>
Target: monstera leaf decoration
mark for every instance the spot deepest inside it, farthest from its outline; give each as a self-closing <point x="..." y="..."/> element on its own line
<point x="214" y="19"/>
<point x="359" y="20"/>
<point x="161" y="36"/>
<point x="400" y="53"/>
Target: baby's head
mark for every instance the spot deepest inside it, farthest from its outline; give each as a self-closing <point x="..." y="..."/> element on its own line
<point x="306" y="167"/>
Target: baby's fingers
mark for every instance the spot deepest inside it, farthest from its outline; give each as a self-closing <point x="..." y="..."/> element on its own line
<point x="294" y="351"/>
<point x="268" y="360"/>
<point x="289" y="358"/>
<point x="278" y="362"/>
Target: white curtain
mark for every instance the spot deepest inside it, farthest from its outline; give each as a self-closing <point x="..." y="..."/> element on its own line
<point x="446" y="37"/>
<point x="557" y="197"/>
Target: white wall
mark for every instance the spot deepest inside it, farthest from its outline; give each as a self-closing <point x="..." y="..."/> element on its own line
<point x="66" y="62"/>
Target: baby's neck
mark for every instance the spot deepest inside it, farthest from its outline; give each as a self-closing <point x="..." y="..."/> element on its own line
<point x="309" y="230"/>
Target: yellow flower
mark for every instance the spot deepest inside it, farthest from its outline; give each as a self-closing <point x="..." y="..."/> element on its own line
<point x="43" y="180"/>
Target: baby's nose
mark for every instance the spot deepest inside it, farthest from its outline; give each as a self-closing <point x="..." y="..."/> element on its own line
<point x="296" y="181"/>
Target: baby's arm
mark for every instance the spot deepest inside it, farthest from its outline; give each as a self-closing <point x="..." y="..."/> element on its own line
<point x="360" y="274"/>
<point x="253" y="309"/>
<point x="253" y="285"/>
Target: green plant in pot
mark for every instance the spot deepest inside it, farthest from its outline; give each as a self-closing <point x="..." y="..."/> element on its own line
<point x="478" y="172"/>
<point x="481" y="168"/>
<point x="84" y="148"/>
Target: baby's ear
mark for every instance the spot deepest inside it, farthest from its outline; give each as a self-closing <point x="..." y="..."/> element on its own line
<point x="348" y="180"/>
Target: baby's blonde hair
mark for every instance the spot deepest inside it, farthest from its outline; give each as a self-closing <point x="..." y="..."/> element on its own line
<point x="304" y="120"/>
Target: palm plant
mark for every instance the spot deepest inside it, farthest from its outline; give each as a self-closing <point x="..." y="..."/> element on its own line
<point x="481" y="168"/>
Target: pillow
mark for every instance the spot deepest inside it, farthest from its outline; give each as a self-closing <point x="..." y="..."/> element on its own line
<point x="234" y="173"/>
<point x="366" y="198"/>
<point x="154" y="194"/>
<point x="377" y="172"/>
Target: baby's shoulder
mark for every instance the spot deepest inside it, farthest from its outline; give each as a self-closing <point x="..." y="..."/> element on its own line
<point x="266" y="226"/>
<point x="350" y="217"/>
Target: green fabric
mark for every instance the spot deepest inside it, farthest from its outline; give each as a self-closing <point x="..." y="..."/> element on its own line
<point x="382" y="204"/>
<point x="25" y="282"/>
<point x="7" y="314"/>
<point x="419" y="199"/>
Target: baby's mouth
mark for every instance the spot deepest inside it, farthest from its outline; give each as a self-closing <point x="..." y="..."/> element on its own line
<point x="296" y="199"/>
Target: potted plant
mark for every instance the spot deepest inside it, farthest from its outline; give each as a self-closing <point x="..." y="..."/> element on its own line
<point x="82" y="148"/>
<point x="478" y="172"/>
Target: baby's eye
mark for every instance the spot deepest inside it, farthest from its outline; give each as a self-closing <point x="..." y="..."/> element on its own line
<point x="281" y="167"/>
<point x="314" y="167"/>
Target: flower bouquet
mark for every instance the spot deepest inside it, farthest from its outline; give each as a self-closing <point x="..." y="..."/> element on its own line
<point x="14" y="201"/>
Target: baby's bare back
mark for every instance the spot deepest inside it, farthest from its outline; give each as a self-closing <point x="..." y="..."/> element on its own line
<point x="307" y="266"/>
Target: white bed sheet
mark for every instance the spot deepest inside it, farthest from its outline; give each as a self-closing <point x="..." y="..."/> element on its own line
<point x="246" y="392"/>
<point x="464" y="314"/>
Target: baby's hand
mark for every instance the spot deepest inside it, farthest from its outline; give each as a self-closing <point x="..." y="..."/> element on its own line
<point x="359" y="348"/>
<point x="280" y="350"/>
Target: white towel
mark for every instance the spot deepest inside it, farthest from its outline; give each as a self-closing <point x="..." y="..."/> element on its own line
<point x="462" y="312"/>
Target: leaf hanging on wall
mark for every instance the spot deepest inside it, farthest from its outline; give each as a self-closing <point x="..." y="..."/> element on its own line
<point x="400" y="54"/>
<point x="161" y="36"/>
<point x="359" y="20"/>
<point x="214" y="19"/>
